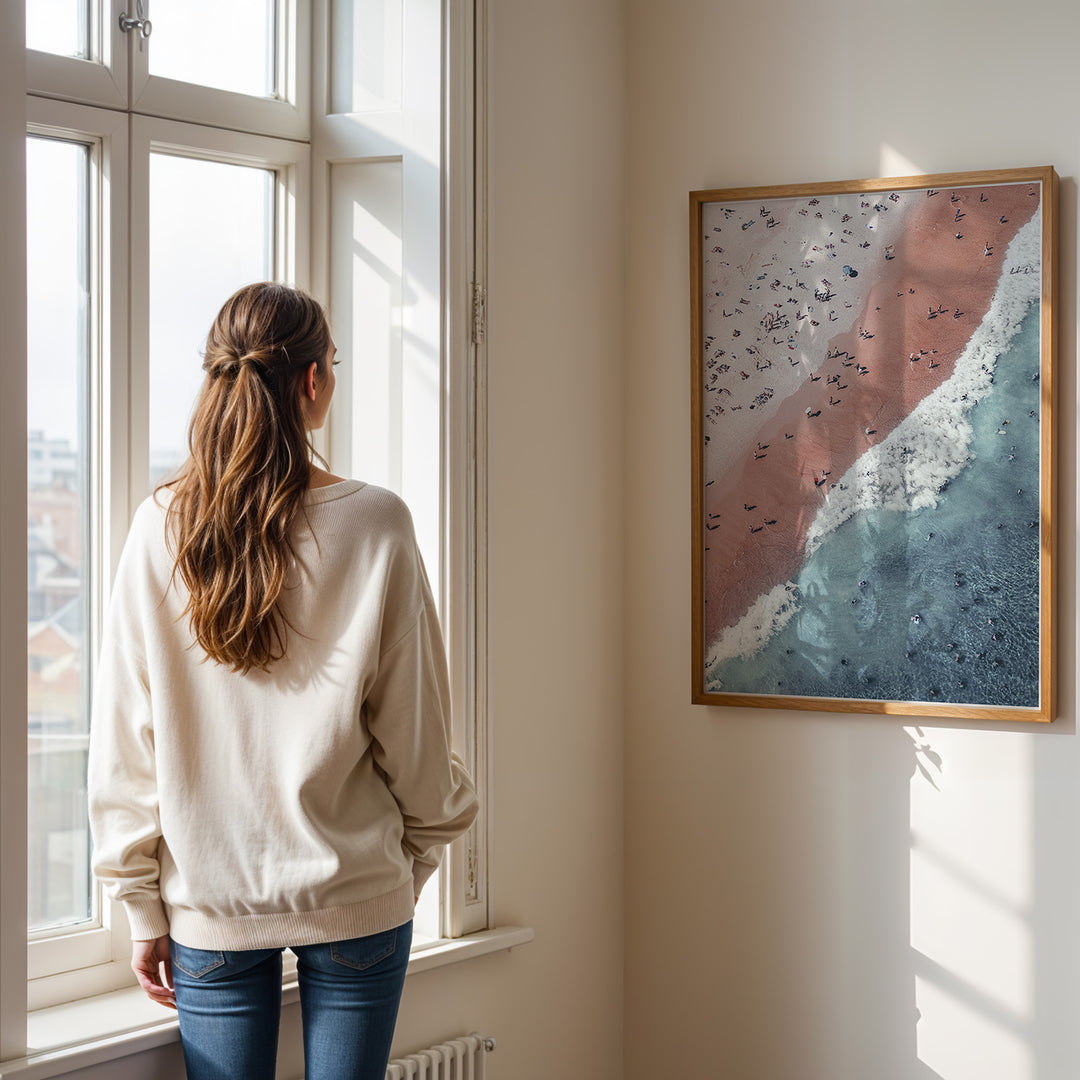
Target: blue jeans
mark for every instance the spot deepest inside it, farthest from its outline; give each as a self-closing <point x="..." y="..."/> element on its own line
<point x="230" y="1007"/>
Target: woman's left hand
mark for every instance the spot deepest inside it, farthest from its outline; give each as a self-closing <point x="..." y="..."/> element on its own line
<point x="153" y="968"/>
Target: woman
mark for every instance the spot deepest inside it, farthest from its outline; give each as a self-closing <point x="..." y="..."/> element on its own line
<point x="270" y="763"/>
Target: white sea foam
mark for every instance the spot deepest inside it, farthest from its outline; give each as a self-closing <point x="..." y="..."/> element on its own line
<point x="769" y="613"/>
<point x="908" y="469"/>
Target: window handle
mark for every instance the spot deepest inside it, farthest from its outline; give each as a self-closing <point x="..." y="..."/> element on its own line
<point x="142" y="24"/>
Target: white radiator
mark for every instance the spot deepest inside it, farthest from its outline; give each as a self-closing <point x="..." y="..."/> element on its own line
<point x="456" y="1059"/>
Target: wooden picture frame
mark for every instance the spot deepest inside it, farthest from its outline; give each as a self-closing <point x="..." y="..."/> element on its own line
<point x="873" y="445"/>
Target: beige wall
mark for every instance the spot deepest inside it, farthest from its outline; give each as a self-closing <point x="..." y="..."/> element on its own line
<point x="801" y="901"/>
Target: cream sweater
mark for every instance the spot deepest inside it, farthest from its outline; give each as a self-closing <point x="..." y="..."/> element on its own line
<point x="304" y="805"/>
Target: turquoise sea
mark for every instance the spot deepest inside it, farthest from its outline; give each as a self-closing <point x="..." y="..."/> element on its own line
<point x="940" y="604"/>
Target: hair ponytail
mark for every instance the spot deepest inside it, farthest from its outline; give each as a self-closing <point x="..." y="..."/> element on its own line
<point x="236" y="500"/>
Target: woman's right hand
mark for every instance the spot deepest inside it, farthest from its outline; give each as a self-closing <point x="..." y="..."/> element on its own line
<point x="153" y="968"/>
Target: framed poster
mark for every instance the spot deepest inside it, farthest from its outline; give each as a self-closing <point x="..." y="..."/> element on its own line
<point x="873" y="452"/>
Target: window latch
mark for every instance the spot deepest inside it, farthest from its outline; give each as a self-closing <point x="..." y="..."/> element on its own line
<point x="142" y="24"/>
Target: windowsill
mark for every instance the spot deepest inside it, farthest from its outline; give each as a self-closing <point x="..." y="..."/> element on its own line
<point x="64" y="1038"/>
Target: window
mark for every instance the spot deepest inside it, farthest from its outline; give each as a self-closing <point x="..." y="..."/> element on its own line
<point x="58" y="217"/>
<point x="393" y="251"/>
<point x="142" y="154"/>
<point x="73" y="233"/>
<point x="130" y="350"/>
<point x="197" y="206"/>
<point x="59" y="28"/>
<point x="239" y="54"/>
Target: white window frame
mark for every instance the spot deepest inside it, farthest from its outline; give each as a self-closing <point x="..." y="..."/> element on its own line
<point x="468" y="890"/>
<point x="116" y="75"/>
<point x="288" y="159"/>
<point x="287" y="116"/>
<point x="105" y="83"/>
<point x="101" y="79"/>
<point x="94" y="960"/>
<point x="89" y="960"/>
<point x="106" y="133"/>
<point x="378" y="136"/>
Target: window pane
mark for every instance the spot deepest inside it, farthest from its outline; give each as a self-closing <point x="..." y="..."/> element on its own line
<point x="58" y="501"/>
<point x="387" y="325"/>
<point x="58" y="26"/>
<point x="211" y="231"/>
<point x="228" y="46"/>
<point x="365" y="55"/>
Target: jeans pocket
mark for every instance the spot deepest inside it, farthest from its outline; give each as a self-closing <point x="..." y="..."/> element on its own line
<point x="364" y="952"/>
<point x="195" y="962"/>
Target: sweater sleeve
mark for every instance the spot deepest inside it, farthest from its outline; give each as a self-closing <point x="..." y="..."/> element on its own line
<point x="122" y="784"/>
<point x="408" y="715"/>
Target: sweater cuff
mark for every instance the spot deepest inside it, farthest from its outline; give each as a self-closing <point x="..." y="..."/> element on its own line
<point x="146" y="919"/>
<point x="421" y="871"/>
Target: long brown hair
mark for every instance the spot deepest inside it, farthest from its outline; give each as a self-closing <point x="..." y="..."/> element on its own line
<point x="242" y="487"/>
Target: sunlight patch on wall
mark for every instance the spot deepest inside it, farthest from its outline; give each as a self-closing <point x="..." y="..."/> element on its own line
<point x="971" y="901"/>
<point x="891" y="162"/>
<point x="963" y="1044"/>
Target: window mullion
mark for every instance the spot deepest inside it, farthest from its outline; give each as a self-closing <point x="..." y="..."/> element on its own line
<point x="137" y="318"/>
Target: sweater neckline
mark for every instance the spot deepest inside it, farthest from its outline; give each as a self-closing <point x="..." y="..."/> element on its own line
<point x="328" y="492"/>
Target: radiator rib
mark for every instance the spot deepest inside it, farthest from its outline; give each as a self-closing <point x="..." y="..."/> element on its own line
<point x="456" y="1059"/>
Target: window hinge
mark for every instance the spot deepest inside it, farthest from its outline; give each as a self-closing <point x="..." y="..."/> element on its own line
<point x="479" y="313"/>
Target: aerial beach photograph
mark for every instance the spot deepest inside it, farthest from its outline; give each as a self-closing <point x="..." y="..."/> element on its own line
<point x="870" y="433"/>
